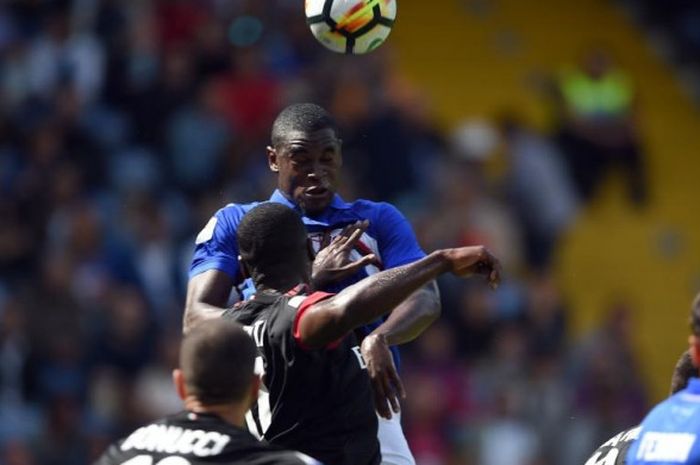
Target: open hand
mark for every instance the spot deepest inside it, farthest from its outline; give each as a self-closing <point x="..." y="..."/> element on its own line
<point x="386" y="384"/>
<point x="333" y="262"/>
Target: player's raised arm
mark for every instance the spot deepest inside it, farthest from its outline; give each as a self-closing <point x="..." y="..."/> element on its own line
<point x="214" y="269"/>
<point x="207" y="295"/>
<point x="330" y="319"/>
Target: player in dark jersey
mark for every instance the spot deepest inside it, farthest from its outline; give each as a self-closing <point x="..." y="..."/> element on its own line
<point x="217" y="383"/>
<point x="318" y="397"/>
<point x="614" y="450"/>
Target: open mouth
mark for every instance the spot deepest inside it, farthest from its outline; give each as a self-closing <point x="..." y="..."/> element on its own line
<point x="316" y="191"/>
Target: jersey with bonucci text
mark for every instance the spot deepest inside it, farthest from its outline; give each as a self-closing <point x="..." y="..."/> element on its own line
<point x="389" y="237"/>
<point x="193" y="439"/>
<point x="669" y="433"/>
<point x="317" y="401"/>
<point x="614" y="450"/>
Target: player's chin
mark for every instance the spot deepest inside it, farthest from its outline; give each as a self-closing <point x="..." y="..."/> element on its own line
<point x="314" y="204"/>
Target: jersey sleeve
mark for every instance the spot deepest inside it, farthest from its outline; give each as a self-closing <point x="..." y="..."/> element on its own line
<point x="283" y="325"/>
<point x="396" y="240"/>
<point x="304" y="305"/>
<point x="216" y="247"/>
<point x="614" y="451"/>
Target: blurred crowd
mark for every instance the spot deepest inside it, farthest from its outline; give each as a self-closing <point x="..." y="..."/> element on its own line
<point x="678" y="21"/>
<point x="124" y="125"/>
<point x="674" y="27"/>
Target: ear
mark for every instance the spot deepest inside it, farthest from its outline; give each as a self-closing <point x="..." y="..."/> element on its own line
<point x="272" y="159"/>
<point x="254" y="390"/>
<point x="243" y="268"/>
<point x="694" y="351"/>
<point x="179" y="382"/>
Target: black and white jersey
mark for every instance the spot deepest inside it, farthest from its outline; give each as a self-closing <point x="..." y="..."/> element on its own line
<point x="194" y="438"/>
<point x="315" y="401"/>
<point x="614" y="451"/>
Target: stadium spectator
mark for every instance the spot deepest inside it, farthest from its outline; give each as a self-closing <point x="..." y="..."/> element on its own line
<point x="538" y="185"/>
<point x="597" y="106"/>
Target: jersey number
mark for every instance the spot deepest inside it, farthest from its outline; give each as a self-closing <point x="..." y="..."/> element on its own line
<point x="148" y="460"/>
<point x="259" y="417"/>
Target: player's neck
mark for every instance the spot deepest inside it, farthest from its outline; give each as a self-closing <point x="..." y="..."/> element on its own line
<point x="280" y="284"/>
<point x="230" y="413"/>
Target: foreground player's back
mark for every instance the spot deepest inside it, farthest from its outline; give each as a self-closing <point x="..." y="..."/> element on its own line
<point x="614" y="451"/>
<point x="315" y="400"/>
<point x="669" y="434"/>
<point x="194" y="438"/>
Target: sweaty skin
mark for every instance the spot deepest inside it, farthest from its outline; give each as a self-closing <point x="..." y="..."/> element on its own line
<point x="307" y="167"/>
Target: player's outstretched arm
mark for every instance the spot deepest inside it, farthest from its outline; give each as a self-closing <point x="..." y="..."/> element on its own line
<point x="363" y="302"/>
<point x="207" y="295"/>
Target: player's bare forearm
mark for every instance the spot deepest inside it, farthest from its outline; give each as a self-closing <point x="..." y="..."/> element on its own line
<point x="366" y="300"/>
<point x="370" y="298"/>
<point x="412" y="316"/>
<point x="363" y="302"/>
<point x="207" y="295"/>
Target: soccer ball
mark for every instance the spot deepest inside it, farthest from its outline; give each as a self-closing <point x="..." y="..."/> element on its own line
<point x="351" y="26"/>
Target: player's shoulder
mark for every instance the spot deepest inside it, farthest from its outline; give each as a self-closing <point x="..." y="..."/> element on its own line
<point x="225" y="220"/>
<point x="235" y="211"/>
<point x="372" y="210"/>
<point x="614" y="450"/>
<point x="264" y="306"/>
<point x="692" y="402"/>
<point x="368" y="205"/>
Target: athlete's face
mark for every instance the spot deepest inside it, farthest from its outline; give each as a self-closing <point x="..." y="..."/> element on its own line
<point x="307" y="166"/>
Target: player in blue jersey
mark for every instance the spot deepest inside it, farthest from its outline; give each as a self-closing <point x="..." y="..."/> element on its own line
<point x="305" y="152"/>
<point x="614" y="450"/>
<point x="670" y="433"/>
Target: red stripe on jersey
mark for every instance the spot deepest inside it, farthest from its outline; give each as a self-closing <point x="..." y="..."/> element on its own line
<point x="365" y="250"/>
<point x="296" y="290"/>
<point x="305" y="305"/>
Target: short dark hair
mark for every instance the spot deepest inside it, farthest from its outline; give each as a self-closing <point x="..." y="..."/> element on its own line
<point x="695" y="316"/>
<point x="301" y="117"/>
<point x="271" y="240"/>
<point x="217" y="359"/>
<point x="683" y="371"/>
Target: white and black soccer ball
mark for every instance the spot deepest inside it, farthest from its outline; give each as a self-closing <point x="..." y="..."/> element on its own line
<point x="351" y="26"/>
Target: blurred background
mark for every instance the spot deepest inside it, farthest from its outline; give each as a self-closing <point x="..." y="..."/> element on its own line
<point x="564" y="135"/>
